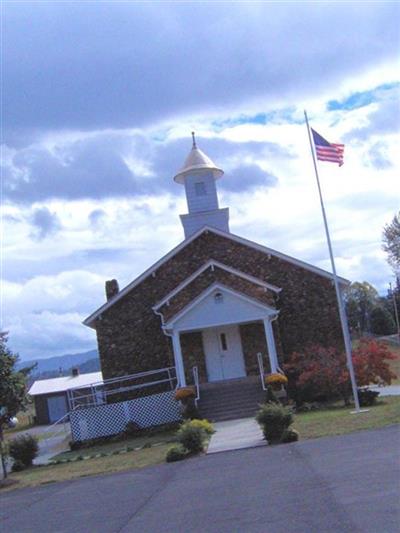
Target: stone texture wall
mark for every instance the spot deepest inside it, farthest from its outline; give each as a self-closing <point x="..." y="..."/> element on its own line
<point x="253" y="341"/>
<point x="193" y="355"/>
<point x="129" y="334"/>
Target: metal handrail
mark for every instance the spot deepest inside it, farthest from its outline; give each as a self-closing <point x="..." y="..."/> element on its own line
<point x="44" y="441"/>
<point x="261" y="369"/>
<point x="195" y="371"/>
<point x="105" y="393"/>
<point x="123" y="378"/>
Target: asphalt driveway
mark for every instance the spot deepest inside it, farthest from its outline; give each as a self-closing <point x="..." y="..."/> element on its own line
<point x="338" y="484"/>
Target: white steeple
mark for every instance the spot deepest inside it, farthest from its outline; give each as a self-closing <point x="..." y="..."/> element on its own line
<point x="199" y="175"/>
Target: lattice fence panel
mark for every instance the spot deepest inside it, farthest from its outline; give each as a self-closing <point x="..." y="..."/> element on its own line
<point x="110" y="419"/>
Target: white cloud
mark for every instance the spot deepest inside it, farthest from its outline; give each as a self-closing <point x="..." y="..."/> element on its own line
<point x="90" y="193"/>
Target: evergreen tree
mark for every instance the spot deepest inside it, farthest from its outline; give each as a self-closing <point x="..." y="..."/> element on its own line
<point x="382" y="322"/>
<point x="12" y="391"/>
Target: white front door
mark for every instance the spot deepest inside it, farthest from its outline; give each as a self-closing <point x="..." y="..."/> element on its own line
<point x="223" y="351"/>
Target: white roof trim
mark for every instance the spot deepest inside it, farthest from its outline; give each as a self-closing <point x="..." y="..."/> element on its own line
<point x="223" y="288"/>
<point x="64" y="383"/>
<point x="89" y="320"/>
<point x="213" y="263"/>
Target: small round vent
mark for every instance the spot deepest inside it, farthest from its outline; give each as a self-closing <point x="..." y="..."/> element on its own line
<point x="218" y="297"/>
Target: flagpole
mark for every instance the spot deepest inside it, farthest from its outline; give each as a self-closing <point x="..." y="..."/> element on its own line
<point x="342" y="312"/>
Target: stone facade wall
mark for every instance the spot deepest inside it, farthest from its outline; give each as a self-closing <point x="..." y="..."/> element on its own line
<point x="193" y="355"/>
<point x="254" y="341"/>
<point x="129" y="333"/>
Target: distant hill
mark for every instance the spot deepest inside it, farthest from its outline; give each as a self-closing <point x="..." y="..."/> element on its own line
<point x="62" y="364"/>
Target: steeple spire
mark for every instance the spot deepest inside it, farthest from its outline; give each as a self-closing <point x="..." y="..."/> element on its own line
<point x="199" y="175"/>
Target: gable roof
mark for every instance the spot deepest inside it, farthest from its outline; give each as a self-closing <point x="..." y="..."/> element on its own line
<point x="223" y="288"/>
<point x="213" y="263"/>
<point x="264" y="249"/>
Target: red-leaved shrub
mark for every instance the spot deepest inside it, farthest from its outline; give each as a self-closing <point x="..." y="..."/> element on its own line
<point x="370" y="361"/>
<point x="319" y="373"/>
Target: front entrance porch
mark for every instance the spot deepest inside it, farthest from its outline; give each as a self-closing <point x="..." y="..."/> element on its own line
<point x="218" y="317"/>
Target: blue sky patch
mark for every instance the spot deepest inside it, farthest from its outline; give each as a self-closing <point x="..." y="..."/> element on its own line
<point x="360" y="99"/>
<point x="277" y="116"/>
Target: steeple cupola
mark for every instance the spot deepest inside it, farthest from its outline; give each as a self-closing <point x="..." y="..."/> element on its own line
<point x="199" y="175"/>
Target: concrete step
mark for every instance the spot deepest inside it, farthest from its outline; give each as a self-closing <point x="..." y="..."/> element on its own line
<point x="234" y="403"/>
<point x="229" y="415"/>
<point x="230" y="400"/>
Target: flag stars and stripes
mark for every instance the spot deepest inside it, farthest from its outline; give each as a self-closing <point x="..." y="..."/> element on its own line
<point x="326" y="151"/>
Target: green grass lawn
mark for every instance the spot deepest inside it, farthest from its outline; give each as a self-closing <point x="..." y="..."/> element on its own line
<point x="334" y="420"/>
<point x="104" y="465"/>
<point x="164" y="437"/>
<point x="337" y="420"/>
<point x="154" y="451"/>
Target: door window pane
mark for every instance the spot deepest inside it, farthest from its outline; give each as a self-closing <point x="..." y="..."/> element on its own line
<point x="224" y="345"/>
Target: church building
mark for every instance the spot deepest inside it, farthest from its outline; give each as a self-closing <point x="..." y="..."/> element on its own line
<point x="215" y="301"/>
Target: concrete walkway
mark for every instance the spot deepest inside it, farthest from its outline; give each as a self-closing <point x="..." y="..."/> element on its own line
<point x="390" y="390"/>
<point x="236" y="435"/>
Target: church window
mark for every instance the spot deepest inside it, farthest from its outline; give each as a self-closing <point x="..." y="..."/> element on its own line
<point x="200" y="188"/>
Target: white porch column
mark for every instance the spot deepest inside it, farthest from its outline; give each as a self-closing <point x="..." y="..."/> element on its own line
<point x="180" y="371"/>
<point x="269" y="335"/>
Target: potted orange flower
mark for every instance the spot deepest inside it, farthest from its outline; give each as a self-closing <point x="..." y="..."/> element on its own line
<point x="276" y="381"/>
<point x="184" y="394"/>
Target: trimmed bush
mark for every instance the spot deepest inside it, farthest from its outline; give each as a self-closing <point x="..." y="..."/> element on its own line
<point x="203" y="424"/>
<point x="290" y="435"/>
<point x="176" y="453"/>
<point x="191" y="437"/>
<point x="24" y="448"/>
<point x="367" y="397"/>
<point x="274" y="419"/>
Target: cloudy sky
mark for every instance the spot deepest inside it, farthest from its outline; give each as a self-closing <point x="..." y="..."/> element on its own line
<point x="99" y="99"/>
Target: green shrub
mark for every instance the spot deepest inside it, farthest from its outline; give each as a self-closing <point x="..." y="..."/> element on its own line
<point x="191" y="437"/>
<point x="176" y="453"/>
<point x="203" y="424"/>
<point x="18" y="466"/>
<point x="24" y="448"/>
<point x="132" y="429"/>
<point x="274" y="419"/>
<point x="367" y="397"/>
<point x="290" y="435"/>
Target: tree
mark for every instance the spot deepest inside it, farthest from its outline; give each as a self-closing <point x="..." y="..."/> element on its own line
<point x="12" y="391"/>
<point x="360" y="299"/>
<point x="382" y="322"/>
<point x="391" y="243"/>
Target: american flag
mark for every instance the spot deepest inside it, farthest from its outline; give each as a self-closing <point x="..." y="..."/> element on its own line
<point x="327" y="151"/>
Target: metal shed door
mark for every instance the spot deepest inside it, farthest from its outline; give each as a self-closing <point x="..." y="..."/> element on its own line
<point x="57" y="406"/>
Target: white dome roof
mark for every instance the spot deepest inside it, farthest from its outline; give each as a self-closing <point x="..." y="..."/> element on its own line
<point x="197" y="160"/>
